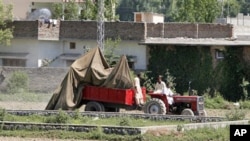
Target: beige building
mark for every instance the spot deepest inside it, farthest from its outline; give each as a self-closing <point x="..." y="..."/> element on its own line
<point x="148" y="17"/>
<point x="23" y="8"/>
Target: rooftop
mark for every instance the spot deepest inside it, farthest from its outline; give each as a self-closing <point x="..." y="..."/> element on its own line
<point x="195" y="41"/>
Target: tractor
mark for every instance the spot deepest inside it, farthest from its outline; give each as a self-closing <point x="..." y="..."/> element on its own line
<point x="183" y="105"/>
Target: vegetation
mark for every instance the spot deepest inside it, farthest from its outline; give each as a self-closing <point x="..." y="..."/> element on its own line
<point x="184" y="10"/>
<point x="67" y="11"/>
<point x="196" y="11"/>
<point x="89" y="10"/>
<point x="64" y="118"/>
<point x="5" y="18"/>
<point x="109" y="53"/>
<point x="191" y="68"/>
<point x="18" y="82"/>
<point x="203" y="134"/>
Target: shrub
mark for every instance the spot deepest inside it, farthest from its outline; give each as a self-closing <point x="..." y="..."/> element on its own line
<point x="245" y="104"/>
<point x="236" y="114"/>
<point x="61" y="117"/>
<point x="17" y="83"/>
<point x="2" y="114"/>
<point x="125" y="121"/>
<point x="77" y="114"/>
<point x="216" y="102"/>
<point x="97" y="133"/>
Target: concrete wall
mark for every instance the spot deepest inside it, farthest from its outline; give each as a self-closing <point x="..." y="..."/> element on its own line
<point x="88" y="30"/>
<point x="44" y="80"/>
<point x="125" y="30"/>
<point x="155" y="30"/>
<point x="25" y="29"/>
<point x="215" y="31"/>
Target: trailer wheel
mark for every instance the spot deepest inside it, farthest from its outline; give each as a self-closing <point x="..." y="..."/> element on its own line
<point x="187" y="112"/>
<point x="94" y="106"/>
<point x="155" y="106"/>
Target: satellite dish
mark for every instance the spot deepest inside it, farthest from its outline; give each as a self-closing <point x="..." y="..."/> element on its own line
<point x="38" y="14"/>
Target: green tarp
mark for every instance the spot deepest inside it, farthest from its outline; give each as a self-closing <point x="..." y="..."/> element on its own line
<point x="89" y="69"/>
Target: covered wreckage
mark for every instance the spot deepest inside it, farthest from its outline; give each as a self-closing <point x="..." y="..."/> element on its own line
<point x="90" y="69"/>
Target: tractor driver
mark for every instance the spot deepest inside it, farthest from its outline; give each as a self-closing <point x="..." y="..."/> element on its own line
<point x="163" y="88"/>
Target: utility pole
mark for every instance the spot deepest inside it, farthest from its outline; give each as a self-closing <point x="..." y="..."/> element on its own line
<point x="100" y="25"/>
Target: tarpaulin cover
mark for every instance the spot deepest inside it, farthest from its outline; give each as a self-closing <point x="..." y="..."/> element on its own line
<point x="89" y="69"/>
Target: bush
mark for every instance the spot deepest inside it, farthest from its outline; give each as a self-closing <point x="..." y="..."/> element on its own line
<point x="236" y="114"/>
<point x="17" y="83"/>
<point x="216" y="102"/>
<point x="125" y="121"/>
<point x="245" y="104"/>
<point x="2" y="114"/>
<point x="61" y="117"/>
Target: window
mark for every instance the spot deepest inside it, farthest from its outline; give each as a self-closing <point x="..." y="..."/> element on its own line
<point x="219" y="54"/>
<point x="33" y="9"/>
<point x="14" y="62"/>
<point x="72" y="45"/>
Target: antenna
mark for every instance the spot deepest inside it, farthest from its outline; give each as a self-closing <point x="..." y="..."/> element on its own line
<point x="100" y="25"/>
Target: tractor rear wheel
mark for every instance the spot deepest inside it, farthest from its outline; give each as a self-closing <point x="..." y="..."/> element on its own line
<point x="94" y="106"/>
<point x="155" y="106"/>
<point x="187" y="112"/>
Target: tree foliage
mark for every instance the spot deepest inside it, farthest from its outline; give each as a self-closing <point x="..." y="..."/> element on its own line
<point x="126" y="8"/>
<point x="196" y="11"/>
<point x="245" y="6"/>
<point x="185" y="64"/>
<point x="89" y="11"/>
<point x="85" y="11"/>
<point x="231" y="8"/>
<point x="5" y="18"/>
<point x="174" y="10"/>
<point x="110" y="47"/>
<point x="68" y="10"/>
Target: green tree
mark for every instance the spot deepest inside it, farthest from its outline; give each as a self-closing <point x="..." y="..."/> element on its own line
<point x="71" y="11"/>
<point x="110" y="47"/>
<point x="89" y="10"/>
<point x="126" y="8"/>
<point x="244" y="6"/>
<point x="86" y="11"/>
<point x="231" y="8"/>
<point x="57" y="10"/>
<point x="68" y="10"/>
<point x="110" y="7"/>
<point x="5" y="18"/>
<point x="196" y="11"/>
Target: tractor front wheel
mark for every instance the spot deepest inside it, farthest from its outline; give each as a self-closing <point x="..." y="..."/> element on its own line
<point x="187" y="112"/>
<point x="155" y="106"/>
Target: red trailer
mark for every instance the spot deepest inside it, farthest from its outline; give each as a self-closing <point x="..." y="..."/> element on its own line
<point x="109" y="99"/>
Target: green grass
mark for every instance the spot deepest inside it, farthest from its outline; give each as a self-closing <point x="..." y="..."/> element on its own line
<point x="114" y="121"/>
<point x="203" y="134"/>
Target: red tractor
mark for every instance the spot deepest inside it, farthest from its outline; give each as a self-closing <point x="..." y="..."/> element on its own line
<point x="183" y="105"/>
<point x="111" y="100"/>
